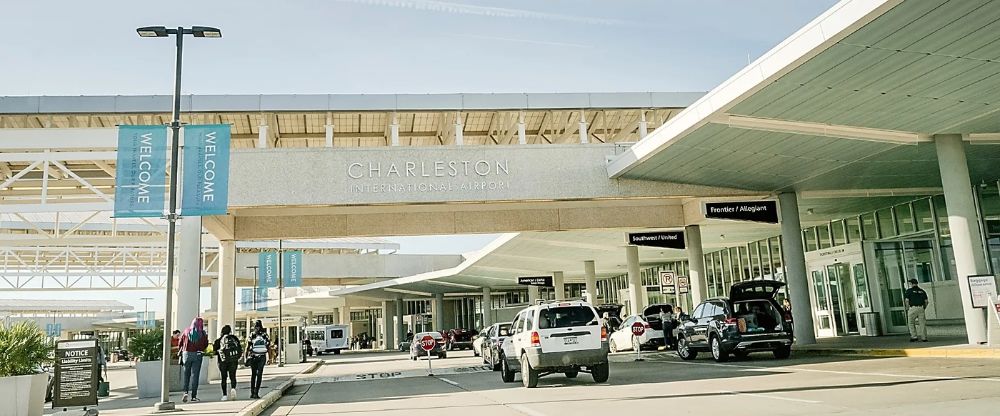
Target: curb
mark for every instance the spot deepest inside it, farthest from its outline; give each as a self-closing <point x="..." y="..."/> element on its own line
<point x="258" y="407"/>
<point x="991" y="353"/>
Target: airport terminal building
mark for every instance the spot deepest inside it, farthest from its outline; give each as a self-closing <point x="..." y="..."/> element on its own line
<point x="873" y="133"/>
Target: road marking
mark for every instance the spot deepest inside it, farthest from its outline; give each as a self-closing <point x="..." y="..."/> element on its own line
<point x="449" y="381"/>
<point x="853" y="373"/>
<point x="767" y="396"/>
<point x="389" y="375"/>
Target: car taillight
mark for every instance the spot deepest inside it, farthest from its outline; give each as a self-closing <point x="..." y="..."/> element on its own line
<point x="732" y="321"/>
<point x="604" y="334"/>
<point x="647" y="326"/>
<point x="536" y="341"/>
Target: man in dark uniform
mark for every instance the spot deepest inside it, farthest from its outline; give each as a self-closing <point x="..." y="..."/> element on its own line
<point x="916" y="304"/>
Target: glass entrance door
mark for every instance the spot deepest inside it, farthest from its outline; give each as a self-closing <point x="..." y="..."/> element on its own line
<point x="834" y="291"/>
<point x="895" y="263"/>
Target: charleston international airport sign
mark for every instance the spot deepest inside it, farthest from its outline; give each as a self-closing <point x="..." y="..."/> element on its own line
<point x="141" y="174"/>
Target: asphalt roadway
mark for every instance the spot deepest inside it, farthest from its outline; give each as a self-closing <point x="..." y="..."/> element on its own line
<point x="390" y="384"/>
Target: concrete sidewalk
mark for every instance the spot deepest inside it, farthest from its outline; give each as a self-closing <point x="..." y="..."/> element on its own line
<point x="123" y="400"/>
<point x="899" y="346"/>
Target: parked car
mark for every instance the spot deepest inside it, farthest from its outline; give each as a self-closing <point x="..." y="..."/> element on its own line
<point x="623" y="340"/>
<point x="417" y="351"/>
<point x="478" y="341"/>
<point x="460" y="339"/>
<point x="557" y="337"/>
<point x="492" y="342"/>
<point x="749" y="320"/>
<point x="611" y="313"/>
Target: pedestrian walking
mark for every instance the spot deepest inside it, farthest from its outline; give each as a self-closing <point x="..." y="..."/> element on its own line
<point x="256" y="357"/>
<point x="194" y="341"/>
<point x="915" y="300"/>
<point x="228" y="350"/>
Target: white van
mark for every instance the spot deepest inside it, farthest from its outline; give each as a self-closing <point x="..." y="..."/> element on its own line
<point x="327" y="338"/>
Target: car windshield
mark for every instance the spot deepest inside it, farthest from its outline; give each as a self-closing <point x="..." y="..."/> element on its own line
<point x="566" y="316"/>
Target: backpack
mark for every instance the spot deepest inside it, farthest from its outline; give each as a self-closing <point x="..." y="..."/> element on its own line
<point x="230" y="351"/>
<point x="258" y="345"/>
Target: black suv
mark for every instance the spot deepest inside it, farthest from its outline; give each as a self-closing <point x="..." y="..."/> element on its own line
<point x="749" y="320"/>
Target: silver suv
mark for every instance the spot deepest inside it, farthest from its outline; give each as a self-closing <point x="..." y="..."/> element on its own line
<point x="555" y="337"/>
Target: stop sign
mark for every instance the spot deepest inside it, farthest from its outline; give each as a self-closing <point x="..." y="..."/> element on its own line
<point x="638" y="328"/>
<point x="427" y="343"/>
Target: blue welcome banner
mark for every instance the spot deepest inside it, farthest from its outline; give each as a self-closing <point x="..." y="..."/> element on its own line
<point x="206" y="170"/>
<point x="262" y="299"/>
<point x="267" y="265"/>
<point x="246" y="299"/>
<point x="141" y="172"/>
<point x="291" y="265"/>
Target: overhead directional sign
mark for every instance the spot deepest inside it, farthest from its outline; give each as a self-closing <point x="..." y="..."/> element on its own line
<point x="544" y="281"/>
<point x="662" y="239"/>
<point x="754" y="211"/>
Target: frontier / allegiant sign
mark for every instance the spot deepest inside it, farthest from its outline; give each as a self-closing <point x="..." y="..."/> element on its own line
<point x="756" y="211"/>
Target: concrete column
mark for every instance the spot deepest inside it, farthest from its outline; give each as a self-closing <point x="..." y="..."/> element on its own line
<point x="459" y="130"/>
<point x="390" y="333"/>
<point x="532" y="294"/>
<point x="643" y="129"/>
<point x="394" y="131"/>
<point x="309" y="318"/>
<point x="963" y="222"/>
<point x="329" y="126"/>
<point x="590" y="274"/>
<point x="187" y="285"/>
<point x="636" y="303"/>
<point x="437" y="310"/>
<point x="227" y="284"/>
<point x="262" y="133"/>
<point x="696" y="264"/>
<point x="584" y="137"/>
<point x="345" y="315"/>
<point x="795" y="269"/>
<point x="487" y="307"/>
<point x="559" y="284"/>
<point x="400" y="328"/>
<point x="522" y="137"/>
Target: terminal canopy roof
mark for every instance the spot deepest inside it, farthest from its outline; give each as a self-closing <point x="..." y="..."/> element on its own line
<point x="850" y="101"/>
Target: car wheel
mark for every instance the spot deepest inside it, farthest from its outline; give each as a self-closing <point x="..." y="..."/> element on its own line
<point x="443" y="355"/>
<point x="336" y="352"/>
<point x="782" y="353"/>
<point x="413" y="357"/>
<point x="494" y="362"/>
<point x="572" y="373"/>
<point x="600" y="372"/>
<point x="684" y="349"/>
<point x="506" y="374"/>
<point x="529" y="376"/>
<point x="614" y="347"/>
<point x="718" y="353"/>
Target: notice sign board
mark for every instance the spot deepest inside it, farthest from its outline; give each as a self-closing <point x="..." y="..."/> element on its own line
<point x="755" y="211"/>
<point x="982" y="288"/>
<point x="667" y="282"/>
<point x="662" y="239"/>
<point x="76" y="374"/>
<point x="544" y="281"/>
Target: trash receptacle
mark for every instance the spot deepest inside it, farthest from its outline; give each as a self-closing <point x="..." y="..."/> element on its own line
<point x="872" y="324"/>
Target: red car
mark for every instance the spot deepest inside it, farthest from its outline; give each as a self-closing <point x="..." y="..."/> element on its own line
<point x="459" y="338"/>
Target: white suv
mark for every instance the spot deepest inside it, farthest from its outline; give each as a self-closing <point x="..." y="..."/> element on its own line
<point x="556" y="337"/>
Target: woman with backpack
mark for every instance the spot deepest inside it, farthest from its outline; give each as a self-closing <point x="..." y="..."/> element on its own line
<point x="194" y="340"/>
<point x="229" y="350"/>
<point x="256" y="357"/>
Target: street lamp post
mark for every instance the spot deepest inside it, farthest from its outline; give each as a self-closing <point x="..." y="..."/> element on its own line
<point x="175" y="128"/>
<point x="253" y="311"/>
<point x="145" y="315"/>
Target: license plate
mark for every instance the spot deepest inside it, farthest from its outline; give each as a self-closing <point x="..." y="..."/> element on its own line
<point x="569" y="340"/>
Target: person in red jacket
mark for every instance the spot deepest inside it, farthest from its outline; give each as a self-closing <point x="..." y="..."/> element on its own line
<point x="194" y="341"/>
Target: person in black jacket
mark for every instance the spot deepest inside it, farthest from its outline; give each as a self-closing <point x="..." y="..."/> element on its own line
<point x="228" y="348"/>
